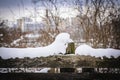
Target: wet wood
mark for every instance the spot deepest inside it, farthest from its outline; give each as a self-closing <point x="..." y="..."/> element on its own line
<point x="71" y="48"/>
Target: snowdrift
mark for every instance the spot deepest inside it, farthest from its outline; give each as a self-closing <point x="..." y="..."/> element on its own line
<point x="58" y="46"/>
<point x="100" y="52"/>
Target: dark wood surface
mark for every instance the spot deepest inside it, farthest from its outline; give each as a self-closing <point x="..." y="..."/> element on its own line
<point x="58" y="76"/>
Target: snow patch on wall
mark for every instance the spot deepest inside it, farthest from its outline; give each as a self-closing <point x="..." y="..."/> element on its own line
<point x="58" y="46"/>
<point x="99" y="52"/>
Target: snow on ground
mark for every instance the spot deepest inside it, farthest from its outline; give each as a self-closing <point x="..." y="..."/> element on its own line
<point x="58" y="46"/>
<point x="17" y="40"/>
<point x="32" y="35"/>
<point x="100" y="52"/>
<point x="44" y="70"/>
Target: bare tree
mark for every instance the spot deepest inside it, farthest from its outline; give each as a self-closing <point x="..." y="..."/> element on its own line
<point x="51" y="20"/>
<point x="95" y="22"/>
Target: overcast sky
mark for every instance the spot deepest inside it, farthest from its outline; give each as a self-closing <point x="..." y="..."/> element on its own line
<point x="13" y="8"/>
<point x="10" y="9"/>
<point x="13" y="3"/>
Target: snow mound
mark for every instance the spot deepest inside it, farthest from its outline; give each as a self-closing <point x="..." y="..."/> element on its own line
<point x="84" y="50"/>
<point x="58" y="46"/>
<point x="99" y="52"/>
<point x="63" y="38"/>
<point x="44" y="70"/>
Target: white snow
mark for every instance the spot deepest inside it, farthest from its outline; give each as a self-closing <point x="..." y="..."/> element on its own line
<point x="32" y="35"/>
<point x="1" y="35"/>
<point x="44" y="70"/>
<point x="24" y="70"/>
<point x="100" y="52"/>
<point x="58" y="46"/>
<point x="17" y="40"/>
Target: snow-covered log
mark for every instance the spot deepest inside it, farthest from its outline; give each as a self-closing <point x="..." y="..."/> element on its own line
<point x="99" y="52"/>
<point x="58" y="46"/>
